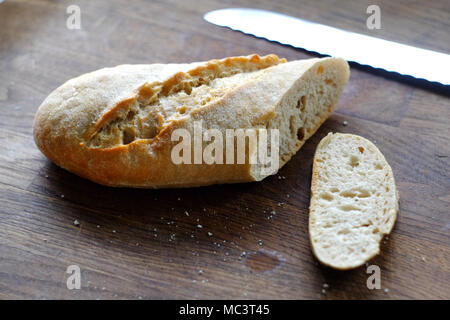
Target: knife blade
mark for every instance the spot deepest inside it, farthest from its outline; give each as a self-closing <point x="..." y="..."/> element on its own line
<point x="362" y="49"/>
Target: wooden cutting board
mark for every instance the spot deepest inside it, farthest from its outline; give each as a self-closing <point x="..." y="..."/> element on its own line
<point x="133" y="244"/>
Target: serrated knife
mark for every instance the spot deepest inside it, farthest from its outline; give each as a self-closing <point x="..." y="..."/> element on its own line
<point x="365" y="50"/>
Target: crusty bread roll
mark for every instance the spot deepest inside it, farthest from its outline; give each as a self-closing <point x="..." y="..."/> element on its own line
<point x="354" y="201"/>
<point x="114" y="126"/>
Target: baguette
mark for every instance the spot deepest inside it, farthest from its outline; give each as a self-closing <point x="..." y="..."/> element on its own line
<point x="354" y="201"/>
<point x="114" y="126"/>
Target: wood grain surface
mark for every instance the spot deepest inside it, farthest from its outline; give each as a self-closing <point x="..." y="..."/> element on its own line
<point x="146" y="244"/>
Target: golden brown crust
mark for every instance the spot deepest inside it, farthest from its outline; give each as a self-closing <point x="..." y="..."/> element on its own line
<point x="74" y="126"/>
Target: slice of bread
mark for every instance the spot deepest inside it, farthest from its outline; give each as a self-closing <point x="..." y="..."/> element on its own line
<point x="354" y="201"/>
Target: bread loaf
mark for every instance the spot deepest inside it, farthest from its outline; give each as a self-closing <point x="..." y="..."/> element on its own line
<point x="354" y="201"/>
<point x="115" y="126"/>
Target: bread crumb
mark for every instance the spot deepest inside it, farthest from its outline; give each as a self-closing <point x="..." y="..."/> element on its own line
<point x="76" y="223"/>
<point x="186" y="213"/>
<point x="342" y="247"/>
<point x="345" y="122"/>
<point x="210" y="234"/>
<point x="199" y="226"/>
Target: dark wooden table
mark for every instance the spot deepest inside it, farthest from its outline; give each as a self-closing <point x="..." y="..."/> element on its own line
<point x="133" y="244"/>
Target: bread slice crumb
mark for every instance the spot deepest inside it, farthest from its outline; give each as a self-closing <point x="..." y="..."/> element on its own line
<point x="354" y="201"/>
